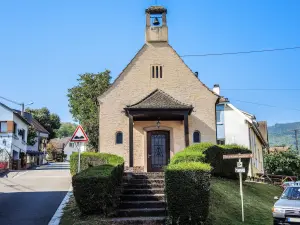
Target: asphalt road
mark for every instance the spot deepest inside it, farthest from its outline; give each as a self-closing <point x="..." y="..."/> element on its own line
<point x="31" y="197"/>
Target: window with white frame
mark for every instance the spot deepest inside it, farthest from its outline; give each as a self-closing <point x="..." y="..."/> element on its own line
<point x="71" y="144"/>
<point x="3" y="127"/>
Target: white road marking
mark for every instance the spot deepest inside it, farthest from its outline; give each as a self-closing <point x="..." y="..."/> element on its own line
<point x="20" y="174"/>
<point x="59" y="212"/>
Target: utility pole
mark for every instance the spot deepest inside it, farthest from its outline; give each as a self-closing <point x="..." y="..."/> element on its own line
<point x="296" y="138"/>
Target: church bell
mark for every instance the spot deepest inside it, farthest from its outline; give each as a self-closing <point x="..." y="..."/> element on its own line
<point x="156" y="21"/>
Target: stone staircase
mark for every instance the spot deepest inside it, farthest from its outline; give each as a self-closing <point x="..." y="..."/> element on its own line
<point x="142" y="200"/>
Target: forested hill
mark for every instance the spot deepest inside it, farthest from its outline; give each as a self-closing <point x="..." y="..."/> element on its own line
<point x="283" y="134"/>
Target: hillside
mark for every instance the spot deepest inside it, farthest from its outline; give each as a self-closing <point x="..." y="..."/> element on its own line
<point x="226" y="204"/>
<point x="283" y="134"/>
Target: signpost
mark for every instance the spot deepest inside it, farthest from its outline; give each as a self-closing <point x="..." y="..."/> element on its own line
<point x="78" y="137"/>
<point x="239" y="169"/>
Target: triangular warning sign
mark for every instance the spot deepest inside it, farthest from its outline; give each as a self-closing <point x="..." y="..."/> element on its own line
<point x="79" y="135"/>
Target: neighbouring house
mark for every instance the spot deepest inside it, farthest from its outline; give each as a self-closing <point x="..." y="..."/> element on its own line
<point x="279" y="149"/>
<point x="235" y="126"/>
<point x="13" y="138"/>
<point x="64" y="145"/>
<point x="35" y="153"/>
<point x="157" y="106"/>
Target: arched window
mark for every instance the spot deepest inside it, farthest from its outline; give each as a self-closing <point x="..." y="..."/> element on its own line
<point x="119" y="137"/>
<point x="196" y="137"/>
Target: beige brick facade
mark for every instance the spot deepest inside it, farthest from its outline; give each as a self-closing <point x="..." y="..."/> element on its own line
<point x="136" y="82"/>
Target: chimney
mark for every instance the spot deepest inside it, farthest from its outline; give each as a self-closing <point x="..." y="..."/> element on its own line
<point x="216" y="89"/>
<point x="196" y="74"/>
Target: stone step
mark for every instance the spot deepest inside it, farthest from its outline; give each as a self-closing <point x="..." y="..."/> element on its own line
<point x="143" y="186"/>
<point x="144" y="191"/>
<point x="161" y="220"/>
<point x="144" y="181"/>
<point x="142" y="212"/>
<point x="142" y="204"/>
<point x="153" y="175"/>
<point x="142" y="197"/>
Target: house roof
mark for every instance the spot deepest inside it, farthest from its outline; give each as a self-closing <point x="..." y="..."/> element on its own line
<point x="251" y="120"/>
<point x="279" y="149"/>
<point x="37" y="126"/>
<point x="60" y="143"/>
<point x="15" y="113"/>
<point x="158" y="99"/>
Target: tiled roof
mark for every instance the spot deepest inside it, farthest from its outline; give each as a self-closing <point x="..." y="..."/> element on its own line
<point x="59" y="143"/>
<point x="159" y="100"/>
<point x="38" y="127"/>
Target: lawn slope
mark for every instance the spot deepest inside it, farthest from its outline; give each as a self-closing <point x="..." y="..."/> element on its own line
<point x="225" y="205"/>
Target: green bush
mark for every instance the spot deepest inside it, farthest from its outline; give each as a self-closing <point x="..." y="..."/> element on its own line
<point x="213" y="154"/>
<point x="90" y="159"/>
<point x="95" y="188"/>
<point x="187" y="192"/>
<point x="188" y="156"/>
<point x="226" y="167"/>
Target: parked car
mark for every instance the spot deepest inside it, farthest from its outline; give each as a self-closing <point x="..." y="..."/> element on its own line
<point x="286" y="210"/>
<point x="290" y="183"/>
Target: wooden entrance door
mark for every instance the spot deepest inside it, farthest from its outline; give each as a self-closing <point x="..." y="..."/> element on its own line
<point x="158" y="150"/>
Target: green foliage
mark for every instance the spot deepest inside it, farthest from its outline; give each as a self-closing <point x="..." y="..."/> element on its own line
<point x="92" y="159"/>
<point x="95" y="189"/>
<point x="31" y="136"/>
<point x="49" y="121"/>
<point x="213" y="154"/>
<point x="83" y="102"/>
<point x="282" y="163"/>
<point x="188" y="156"/>
<point x="65" y="130"/>
<point x="187" y="191"/>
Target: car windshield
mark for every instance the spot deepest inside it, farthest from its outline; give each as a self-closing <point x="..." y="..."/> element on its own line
<point x="292" y="193"/>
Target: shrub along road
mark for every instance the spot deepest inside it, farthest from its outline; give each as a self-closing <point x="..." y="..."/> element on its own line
<point x="32" y="197"/>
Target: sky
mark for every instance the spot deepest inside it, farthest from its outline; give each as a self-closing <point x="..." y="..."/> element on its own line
<point x="44" y="45"/>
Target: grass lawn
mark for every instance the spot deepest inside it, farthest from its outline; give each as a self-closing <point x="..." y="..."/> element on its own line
<point x="225" y="205"/>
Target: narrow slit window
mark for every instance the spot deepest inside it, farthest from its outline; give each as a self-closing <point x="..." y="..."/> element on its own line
<point x="156" y="71"/>
<point x="153" y="72"/>
<point x="119" y="138"/>
<point x="160" y="71"/>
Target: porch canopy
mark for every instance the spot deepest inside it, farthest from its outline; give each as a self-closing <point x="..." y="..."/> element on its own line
<point x="158" y="105"/>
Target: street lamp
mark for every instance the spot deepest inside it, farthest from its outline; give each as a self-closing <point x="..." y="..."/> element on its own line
<point x="23" y="107"/>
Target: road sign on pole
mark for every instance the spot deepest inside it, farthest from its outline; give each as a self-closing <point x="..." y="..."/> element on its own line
<point x="78" y="137"/>
<point x="239" y="169"/>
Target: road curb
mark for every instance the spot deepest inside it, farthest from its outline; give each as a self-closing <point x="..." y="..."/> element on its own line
<point x="59" y="212"/>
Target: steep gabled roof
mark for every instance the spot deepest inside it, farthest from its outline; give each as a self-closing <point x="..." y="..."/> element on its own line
<point x="15" y="113"/>
<point x="221" y="98"/>
<point x="158" y="99"/>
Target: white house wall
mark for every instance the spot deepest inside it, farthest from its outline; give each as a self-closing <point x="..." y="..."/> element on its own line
<point x="236" y="128"/>
<point x="69" y="150"/>
<point x="18" y="144"/>
<point x="5" y="114"/>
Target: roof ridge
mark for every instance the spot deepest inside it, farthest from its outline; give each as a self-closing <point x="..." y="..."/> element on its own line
<point x="147" y="96"/>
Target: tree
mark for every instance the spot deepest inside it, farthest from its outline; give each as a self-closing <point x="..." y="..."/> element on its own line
<point x="282" y="163"/>
<point x="65" y="130"/>
<point x="49" y="121"/>
<point x="31" y="136"/>
<point x="83" y="102"/>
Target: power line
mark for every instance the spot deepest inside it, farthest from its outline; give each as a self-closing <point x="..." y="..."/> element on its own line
<point x="262" y="104"/>
<point x="261" y="89"/>
<point x="243" y="52"/>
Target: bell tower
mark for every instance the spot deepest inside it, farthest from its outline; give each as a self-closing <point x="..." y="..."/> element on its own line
<point x="156" y="24"/>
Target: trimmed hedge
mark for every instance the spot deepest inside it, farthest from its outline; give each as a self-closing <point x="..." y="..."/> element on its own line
<point x="188" y="156"/>
<point x="90" y="159"/>
<point x="187" y="192"/>
<point x="226" y="167"/>
<point x="95" y="188"/>
<point x="213" y="154"/>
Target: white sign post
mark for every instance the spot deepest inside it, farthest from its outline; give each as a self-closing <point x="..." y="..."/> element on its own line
<point x="239" y="169"/>
<point x="78" y="137"/>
